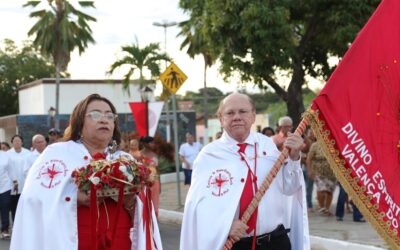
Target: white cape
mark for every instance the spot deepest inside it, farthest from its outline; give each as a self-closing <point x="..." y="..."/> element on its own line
<point x="46" y="216"/>
<point x="210" y="209"/>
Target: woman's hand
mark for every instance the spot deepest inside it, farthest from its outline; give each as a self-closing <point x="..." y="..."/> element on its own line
<point x="129" y="202"/>
<point x="83" y="199"/>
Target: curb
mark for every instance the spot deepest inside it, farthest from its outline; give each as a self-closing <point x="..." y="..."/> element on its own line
<point x="317" y="243"/>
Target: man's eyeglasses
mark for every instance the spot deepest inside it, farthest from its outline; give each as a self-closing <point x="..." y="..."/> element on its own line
<point x="97" y="115"/>
<point x="231" y="113"/>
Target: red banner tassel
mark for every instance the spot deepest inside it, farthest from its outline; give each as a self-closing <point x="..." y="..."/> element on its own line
<point x="118" y="212"/>
<point x="93" y="216"/>
<point x="145" y="196"/>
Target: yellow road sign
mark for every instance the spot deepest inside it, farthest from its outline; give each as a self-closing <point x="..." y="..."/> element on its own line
<point x="173" y="78"/>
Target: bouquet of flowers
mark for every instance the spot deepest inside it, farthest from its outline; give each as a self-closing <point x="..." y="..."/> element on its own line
<point x="108" y="176"/>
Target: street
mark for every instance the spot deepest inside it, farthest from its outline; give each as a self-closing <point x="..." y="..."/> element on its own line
<point x="169" y="235"/>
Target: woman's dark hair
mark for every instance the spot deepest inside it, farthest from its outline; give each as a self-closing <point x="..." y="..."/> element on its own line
<point x="74" y="129"/>
<point x="20" y="137"/>
<point x="146" y="139"/>
<point x="5" y="144"/>
<point x="264" y="131"/>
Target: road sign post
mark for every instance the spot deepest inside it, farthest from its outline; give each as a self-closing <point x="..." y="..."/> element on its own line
<point x="173" y="78"/>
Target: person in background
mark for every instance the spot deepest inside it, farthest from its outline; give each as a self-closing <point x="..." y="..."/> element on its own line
<point x="5" y="190"/>
<point x="18" y="158"/>
<point x="134" y="149"/>
<point x="309" y="139"/>
<point x="285" y="125"/>
<point x="123" y="146"/>
<point x="54" y="135"/>
<point x="5" y="146"/>
<point x="268" y="131"/>
<point x="357" y="215"/>
<point x="218" y="135"/>
<point x="39" y="143"/>
<point x="188" y="152"/>
<point x="151" y="159"/>
<point x="227" y="173"/>
<point x="54" y="214"/>
<point x="318" y="169"/>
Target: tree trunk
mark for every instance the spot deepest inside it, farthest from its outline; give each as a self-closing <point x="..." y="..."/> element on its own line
<point x="56" y="117"/>
<point x="295" y="105"/>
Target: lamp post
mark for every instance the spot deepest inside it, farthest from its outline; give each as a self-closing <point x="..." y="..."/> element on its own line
<point x="147" y="95"/>
<point x="165" y="24"/>
<point x="52" y="113"/>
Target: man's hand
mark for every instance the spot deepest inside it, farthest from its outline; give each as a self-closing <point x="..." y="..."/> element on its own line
<point x="294" y="143"/>
<point x="238" y="230"/>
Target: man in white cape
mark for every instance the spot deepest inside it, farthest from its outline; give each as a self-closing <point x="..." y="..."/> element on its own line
<point x="212" y="205"/>
<point x="47" y="210"/>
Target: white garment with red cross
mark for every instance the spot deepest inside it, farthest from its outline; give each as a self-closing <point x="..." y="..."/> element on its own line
<point x="47" y="209"/>
<point x="218" y="180"/>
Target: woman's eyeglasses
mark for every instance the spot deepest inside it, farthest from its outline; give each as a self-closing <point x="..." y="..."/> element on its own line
<point x="97" y="115"/>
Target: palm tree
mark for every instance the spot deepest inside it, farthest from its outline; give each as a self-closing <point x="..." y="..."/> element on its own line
<point x="139" y="59"/>
<point x="196" y="44"/>
<point x="59" y="30"/>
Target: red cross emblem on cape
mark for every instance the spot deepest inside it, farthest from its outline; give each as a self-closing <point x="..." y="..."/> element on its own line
<point x="51" y="173"/>
<point x="219" y="182"/>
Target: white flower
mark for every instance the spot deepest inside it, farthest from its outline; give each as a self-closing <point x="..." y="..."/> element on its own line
<point x="95" y="180"/>
<point x="130" y="178"/>
<point x="123" y="169"/>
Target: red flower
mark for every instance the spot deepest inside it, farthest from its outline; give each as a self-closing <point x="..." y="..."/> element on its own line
<point x="105" y="179"/>
<point x="99" y="156"/>
<point x="98" y="186"/>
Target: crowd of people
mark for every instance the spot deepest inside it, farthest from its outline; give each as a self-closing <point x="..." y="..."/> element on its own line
<point x="223" y="177"/>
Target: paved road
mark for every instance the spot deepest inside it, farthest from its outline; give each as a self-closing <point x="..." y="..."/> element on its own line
<point x="169" y="235"/>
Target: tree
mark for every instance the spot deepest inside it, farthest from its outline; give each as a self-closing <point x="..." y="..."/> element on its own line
<point x="18" y="67"/>
<point x="59" y="30"/>
<point x="139" y="59"/>
<point x="256" y="38"/>
<point x="197" y="44"/>
<point x="214" y="96"/>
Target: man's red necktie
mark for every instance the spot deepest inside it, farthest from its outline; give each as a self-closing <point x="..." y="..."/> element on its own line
<point x="247" y="195"/>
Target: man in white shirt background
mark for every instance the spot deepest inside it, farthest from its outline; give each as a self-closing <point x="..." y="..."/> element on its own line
<point x="5" y="190"/>
<point x="18" y="157"/>
<point x="39" y="143"/>
<point x="187" y="154"/>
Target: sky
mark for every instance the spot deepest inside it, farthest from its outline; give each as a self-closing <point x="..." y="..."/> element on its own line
<point x="120" y="23"/>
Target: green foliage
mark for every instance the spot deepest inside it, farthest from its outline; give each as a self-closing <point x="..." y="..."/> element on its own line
<point x="139" y="59"/>
<point x="60" y="29"/>
<point x="214" y="96"/>
<point x="258" y="37"/>
<point x="278" y="108"/>
<point x="19" y="66"/>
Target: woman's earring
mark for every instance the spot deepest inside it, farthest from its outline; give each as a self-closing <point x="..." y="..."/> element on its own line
<point x="113" y="147"/>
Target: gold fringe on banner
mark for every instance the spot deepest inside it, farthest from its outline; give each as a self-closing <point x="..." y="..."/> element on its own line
<point x="349" y="183"/>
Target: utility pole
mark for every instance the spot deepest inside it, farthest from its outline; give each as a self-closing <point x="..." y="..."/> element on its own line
<point x="165" y="24"/>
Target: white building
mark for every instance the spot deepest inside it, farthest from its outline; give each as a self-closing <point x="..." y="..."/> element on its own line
<point x="37" y="97"/>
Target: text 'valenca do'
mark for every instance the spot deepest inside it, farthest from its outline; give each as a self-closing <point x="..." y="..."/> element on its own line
<point x="359" y="159"/>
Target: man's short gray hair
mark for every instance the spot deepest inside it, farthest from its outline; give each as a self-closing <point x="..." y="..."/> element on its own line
<point x="285" y="120"/>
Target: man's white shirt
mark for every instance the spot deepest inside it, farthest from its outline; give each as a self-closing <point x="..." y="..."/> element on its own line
<point x="189" y="152"/>
<point x="17" y="167"/>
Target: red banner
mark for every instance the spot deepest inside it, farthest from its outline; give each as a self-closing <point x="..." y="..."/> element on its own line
<point x="140" y="115"/>
<point x="357" y="119"/>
